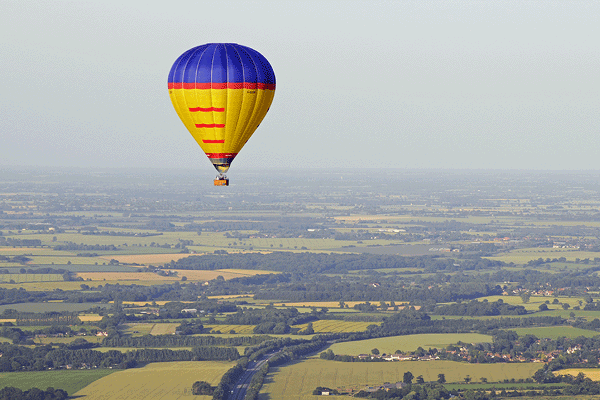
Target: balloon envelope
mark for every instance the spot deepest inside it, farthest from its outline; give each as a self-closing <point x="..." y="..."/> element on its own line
<point x="221" y="92"/>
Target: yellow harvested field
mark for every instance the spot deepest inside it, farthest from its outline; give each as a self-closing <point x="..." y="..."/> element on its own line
<point x="334" y="326"/>
<point x="2" y="320"/>
<point x="592" y="373"/>
<point x="156" y="381"/>
<point x="191" y="275"/>
<point x="243" y="329"/>
<point x="153" y="259"/>
<point x="90" y="318"/>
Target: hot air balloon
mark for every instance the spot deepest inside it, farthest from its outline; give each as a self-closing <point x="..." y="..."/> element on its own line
<point x="221" y="92"/>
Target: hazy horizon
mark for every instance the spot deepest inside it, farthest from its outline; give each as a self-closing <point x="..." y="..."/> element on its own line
<point x="451" y="85"/>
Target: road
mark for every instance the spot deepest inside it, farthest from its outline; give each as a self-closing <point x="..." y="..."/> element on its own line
<point x="239" y="392"/>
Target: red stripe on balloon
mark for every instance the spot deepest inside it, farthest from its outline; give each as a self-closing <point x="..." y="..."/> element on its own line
<point x="213" y="141"/>
<point x="210" y="125"/>
<point x="196" y="109"/>
<point x="221" y="155"/>
<point x="225" y="85"/>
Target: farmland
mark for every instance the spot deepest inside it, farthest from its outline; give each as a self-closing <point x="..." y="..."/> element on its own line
<point x="592" y="373"/>
<point x="555" y="332"/>
<point x="150" y="277"/>
<point x="309" y="243"/>
<point x="334" y="326"/>
<point x="70" y="381"/>
<point x="156" y="381"/>
<point x="20" y="278"/>
<point x="406" y="343"/>
<point x="297" y="381"/>
<point x="242" y="329"/>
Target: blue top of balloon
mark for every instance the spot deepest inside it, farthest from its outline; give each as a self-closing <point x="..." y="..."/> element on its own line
<point x="222" y="63"/>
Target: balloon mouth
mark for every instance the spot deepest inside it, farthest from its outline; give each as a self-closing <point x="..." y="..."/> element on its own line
<point x="221" y="161"/>
<point x="221" y="168"/>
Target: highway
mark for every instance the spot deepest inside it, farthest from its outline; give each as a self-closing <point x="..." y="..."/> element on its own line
<point x="239" y="392"/>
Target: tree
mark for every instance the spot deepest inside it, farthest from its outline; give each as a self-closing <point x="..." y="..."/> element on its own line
<point x="309" y="329"/>
<point x="565" y="306"/>
<point x="375" y="351"/>
<point x="483" y="379"/>
<point x="408" y="377"/>
<point x="420" y="379"/>
<point x="202" y="388"/>
<point x="543" y="307"/>
<point x="525" y="296"/>
<point x="441" y="378"/>
<point x="467" y="379"/>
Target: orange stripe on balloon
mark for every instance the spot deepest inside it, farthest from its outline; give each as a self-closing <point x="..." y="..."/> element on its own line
<point x="210" y="125"/>
<point x="213" y="141"/>
<point x="196" y="109"/>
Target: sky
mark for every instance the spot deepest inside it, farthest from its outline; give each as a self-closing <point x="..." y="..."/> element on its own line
<point x="360" y="84"/>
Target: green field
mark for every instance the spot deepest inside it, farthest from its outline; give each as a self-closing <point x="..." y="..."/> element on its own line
<point x="523" y="256"/>
<point x="57" y="340"/>
<point x="553" y="311"/>
<point x="535" y="302"/>
<point x="145" y="328"/>
<point x="206" y="242"/>
<point x="19" y="278"/>
<point x="554" y="332"/>
<point x="327" y="326"/>
<point x="297" y="381"/>
<point x="49" y="307"/>
<point x="156" y="381"/>
<point x="69" y="380"/>
<point x="407" y="343"/>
